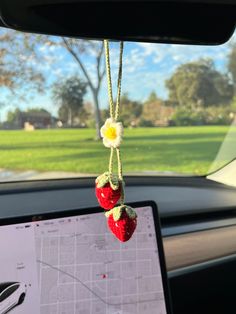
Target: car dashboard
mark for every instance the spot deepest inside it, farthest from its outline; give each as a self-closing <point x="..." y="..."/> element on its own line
<point x="198" y="227"/>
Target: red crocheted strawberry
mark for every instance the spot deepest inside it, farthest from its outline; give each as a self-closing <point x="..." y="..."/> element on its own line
<point x="122" y="221"/>
<point x="108" y="190"/>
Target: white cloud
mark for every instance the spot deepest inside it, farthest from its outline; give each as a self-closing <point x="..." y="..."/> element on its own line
<point x="156" y="51"/>
<point x="43" y="48"/>
<point x="134" y="61"/>
<point x="159" y="53"/>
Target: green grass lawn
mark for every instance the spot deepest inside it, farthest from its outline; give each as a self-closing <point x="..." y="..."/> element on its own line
<point x="178" y="149"/>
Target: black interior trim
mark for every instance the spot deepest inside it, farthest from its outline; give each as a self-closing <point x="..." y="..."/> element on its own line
<point x="201" y="266"/>
<point x="205" y="288"/>
<point x="190" y="223"/>
<point x="195" y="22"/>
<point x="87" y="182"/>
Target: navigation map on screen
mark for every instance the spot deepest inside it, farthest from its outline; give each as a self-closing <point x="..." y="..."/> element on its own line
<point x="74" y="265"/>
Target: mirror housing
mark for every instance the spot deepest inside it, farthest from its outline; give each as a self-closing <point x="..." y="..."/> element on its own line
<point x="188" y="22"/>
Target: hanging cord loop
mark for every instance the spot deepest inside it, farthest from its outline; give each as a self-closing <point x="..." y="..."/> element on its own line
<point x="114" y="110"/>
<point x="109" y="81"/>
<point x="117" y="112"/>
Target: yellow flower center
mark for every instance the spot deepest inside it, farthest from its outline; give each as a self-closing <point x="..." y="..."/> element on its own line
<point x="110" y="133"/>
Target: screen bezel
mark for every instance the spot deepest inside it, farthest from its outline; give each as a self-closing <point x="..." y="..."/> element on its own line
<point x="94" y="210"/>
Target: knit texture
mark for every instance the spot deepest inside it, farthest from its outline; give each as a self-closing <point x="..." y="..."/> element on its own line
<point x="123" y="228"/>
<point x="107" y="197"/>
<point x="122" y="221"/>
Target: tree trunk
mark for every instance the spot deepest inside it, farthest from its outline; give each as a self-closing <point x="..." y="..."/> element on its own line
<point x="97" y="116"/>
<point x="70" y="118"/>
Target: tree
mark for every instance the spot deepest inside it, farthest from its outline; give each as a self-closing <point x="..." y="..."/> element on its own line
<point x="12" y="116"/>
<point x="130" y="111"/>
<point x="18" y="72"/>
<point x="152" y="97"/>
<point x="157" y="113"/>
<point x="37" y="110"/>
<point x="69" y="95"/>
<point x="23" y="55"/>
<point x="197" y="84"/>
<point x="86" y="115"/>
<point x="77" y="48"/>
<point x="232" y="65"/>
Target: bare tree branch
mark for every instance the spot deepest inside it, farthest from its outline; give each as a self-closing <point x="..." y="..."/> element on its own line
<point x="77" y="58"/>
<point x="100" y="73"/>
<point x="75" y="49"/>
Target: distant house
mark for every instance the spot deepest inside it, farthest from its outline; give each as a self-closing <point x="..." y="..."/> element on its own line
<point x="38" y="119"/>
<point x="158" y="113"/>
<point x="165" y="116"/>
<point x="30" y="120"/>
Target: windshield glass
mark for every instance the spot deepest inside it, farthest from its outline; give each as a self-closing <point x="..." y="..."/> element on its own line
<point x="177" y="105"/>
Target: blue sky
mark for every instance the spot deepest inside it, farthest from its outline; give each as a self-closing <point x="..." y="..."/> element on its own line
<point x="146" y="67"/>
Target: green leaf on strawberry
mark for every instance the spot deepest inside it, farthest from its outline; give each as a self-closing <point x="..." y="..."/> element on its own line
<point x="117" y="212"/>
<point x="130" y="212"/>
<point x="107" y="177"/>
<point x="122" y="222"/>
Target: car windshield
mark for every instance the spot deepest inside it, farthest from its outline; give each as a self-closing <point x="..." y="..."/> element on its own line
<point x="177" y="106"/>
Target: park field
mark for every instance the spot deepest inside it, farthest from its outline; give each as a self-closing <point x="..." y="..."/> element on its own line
<point x="176" y="149"/>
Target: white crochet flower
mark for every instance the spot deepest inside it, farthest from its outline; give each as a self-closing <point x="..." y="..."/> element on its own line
<point x="111" y="133"/>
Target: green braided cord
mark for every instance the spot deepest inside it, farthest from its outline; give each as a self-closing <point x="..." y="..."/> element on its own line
<point x="111" y="161"/>
<point x="120" y="174"/>
<point x="109" y="82"/>
<point x="119" y="82"/>
<point x="122" y="197"/>
<point x="115" y="115"/>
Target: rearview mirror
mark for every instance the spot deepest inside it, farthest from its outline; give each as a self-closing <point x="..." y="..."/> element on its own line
<point x="173" y="21"/>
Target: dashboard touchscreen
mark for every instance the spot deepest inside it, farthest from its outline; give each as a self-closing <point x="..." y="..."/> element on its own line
<point x="74" y="265"/>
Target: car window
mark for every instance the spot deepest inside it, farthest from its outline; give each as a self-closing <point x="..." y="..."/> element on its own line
<point x="13" y="289"/>
<point x="5" y="294"/>
<point x="178" y="104"/>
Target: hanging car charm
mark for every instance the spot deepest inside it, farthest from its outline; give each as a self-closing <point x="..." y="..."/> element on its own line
<point x="121" y="219"/>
